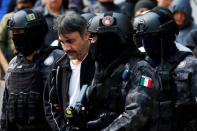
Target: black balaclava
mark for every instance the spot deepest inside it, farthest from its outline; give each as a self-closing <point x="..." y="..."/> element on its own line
<point x="109" y="52"/>
<point x="160" y="46"/>
<point x="153" y="47"/>
<point x="26" y="43"/>
<point x="107" y="48"/>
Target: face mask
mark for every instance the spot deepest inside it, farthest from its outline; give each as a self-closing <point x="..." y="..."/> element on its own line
<point x="23" y="45"/>
<point x="105" y="49"/>
<point x="152" y="45"/>
<point x="98" y="52"/>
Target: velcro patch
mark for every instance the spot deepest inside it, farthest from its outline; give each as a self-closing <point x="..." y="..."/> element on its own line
<point x="30" y="17"/>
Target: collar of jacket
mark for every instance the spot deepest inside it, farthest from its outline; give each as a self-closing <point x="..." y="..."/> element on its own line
<point x="64" y="61"/>
<point x="86" y="76"/>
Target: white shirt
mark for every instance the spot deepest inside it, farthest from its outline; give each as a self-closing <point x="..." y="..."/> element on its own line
<point x="74" y="85"/>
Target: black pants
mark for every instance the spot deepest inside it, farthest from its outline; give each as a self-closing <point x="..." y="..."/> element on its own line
<point x="43" y="126"/>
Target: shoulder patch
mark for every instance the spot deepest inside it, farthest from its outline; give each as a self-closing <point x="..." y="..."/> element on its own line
<point x="49" y="61"/>
<point x="145" y="81"/>
<point x="108" y="21"/>
<point x="182" y="64"/>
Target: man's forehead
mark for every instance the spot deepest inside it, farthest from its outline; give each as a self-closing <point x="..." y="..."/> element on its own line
<point x="70" y="35"/>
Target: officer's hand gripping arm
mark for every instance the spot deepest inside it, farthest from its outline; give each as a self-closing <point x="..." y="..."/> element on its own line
<point x="4" y="118"/>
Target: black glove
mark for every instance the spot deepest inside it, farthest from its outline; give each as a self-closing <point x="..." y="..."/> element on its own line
<point x="191" y="126"/>
<point x="95" y="92"/>
<point x="102" y="122"/>
<point x="95" y="125"/>
<point x="72" y="128"/>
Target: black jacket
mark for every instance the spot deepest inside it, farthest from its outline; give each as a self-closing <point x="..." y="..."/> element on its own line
<point x="56" y="89"/>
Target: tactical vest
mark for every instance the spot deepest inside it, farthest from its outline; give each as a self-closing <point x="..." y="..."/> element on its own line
<point x="110" y="95"/>
<point x="25" y="88"/>
<point x="165" y="117"/>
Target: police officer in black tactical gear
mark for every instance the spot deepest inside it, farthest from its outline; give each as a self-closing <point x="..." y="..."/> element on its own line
<point x="27" y="72"/>
<point x="177" y="69"/>
<point x="124" y="88"/>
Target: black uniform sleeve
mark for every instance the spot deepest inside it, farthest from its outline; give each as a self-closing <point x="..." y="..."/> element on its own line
<point x="194" y="83"/>
<point x="4" y="121"/>
<point x="139" y="99"/>
<point x="54" y="114"/>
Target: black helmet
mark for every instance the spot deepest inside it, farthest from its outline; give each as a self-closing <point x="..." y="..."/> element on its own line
<point x="35" y="30"/>
<point x="88" y="16"/>
<point x="27" y="19"/>
<point x="158" y="20"/>
<point x="111" y="22"/>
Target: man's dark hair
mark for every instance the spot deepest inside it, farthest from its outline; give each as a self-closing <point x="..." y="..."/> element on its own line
<point x="70" y="22"/>
<point x="25" y="1"/>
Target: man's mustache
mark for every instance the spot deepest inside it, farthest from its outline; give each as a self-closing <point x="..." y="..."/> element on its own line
<point x="70" y="51"/>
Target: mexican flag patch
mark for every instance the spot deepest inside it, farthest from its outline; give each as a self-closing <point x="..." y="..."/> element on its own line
<point x="146" y="81"/>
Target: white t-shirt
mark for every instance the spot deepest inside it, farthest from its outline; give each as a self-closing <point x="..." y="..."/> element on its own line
<point x="74" y="85"/>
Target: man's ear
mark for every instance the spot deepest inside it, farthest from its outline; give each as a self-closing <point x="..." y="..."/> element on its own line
<point x="93" y="39"/>
<point x="86" y="35"/>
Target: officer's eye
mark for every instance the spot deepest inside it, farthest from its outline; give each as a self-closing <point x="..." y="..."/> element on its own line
<point x="155" y="34"/>
<point x="18" y="31"/>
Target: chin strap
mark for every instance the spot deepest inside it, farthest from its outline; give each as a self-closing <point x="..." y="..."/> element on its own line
<point x="162" y="59"/>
